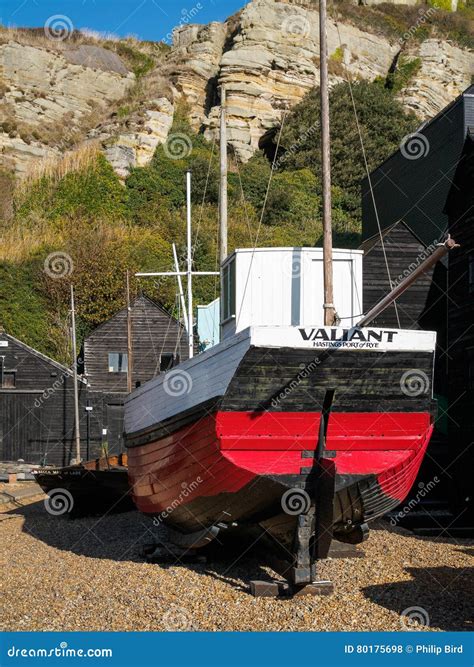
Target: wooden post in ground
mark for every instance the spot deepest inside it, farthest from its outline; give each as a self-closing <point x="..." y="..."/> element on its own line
<point x="77" y="433"/>
<point x="129" y="339"/>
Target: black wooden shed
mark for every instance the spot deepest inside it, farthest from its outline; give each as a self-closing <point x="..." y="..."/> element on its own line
<point x="422" y="193"/>
<point x="36" y="405"/>
<point x="158" y="343"/>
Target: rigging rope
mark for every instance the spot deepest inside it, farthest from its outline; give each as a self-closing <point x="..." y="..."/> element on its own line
<point x="244" y="200"/>
<point x="369" y="179"/>
<point x="203" y="198"/>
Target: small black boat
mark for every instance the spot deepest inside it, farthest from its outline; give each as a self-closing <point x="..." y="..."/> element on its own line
<point x="95" y="487"/>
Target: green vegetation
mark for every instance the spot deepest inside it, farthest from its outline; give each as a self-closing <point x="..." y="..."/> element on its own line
<point x="139" y="62"/>
<point x="401" y="22"/>
<point x="103" y="227"/>
<point x="382" y="120"/>
<point x="406" y="69"/>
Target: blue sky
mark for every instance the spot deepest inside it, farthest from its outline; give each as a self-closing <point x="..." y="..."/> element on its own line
<point x="147" y="19"/>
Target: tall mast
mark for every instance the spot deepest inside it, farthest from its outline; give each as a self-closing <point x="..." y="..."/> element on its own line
<point x="189" y="272"/>
<point x="223" y="181"/>
<point x="77" y="434"/>
<point x="329" y="310"/>
<point x="129" y="338"/>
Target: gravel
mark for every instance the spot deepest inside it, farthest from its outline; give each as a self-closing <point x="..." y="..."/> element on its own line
<point x="87" y="574"/>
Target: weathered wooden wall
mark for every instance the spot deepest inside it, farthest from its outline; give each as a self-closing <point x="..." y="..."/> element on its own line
<point x="154" y="333"/>
<point x="37" y="414"/>
<point x="460" y="344"/>
<point x="415" y="190"/>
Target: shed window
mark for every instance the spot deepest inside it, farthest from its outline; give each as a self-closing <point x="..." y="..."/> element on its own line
<point x="118" y="362"/>
<point x="166" y="362"/>
<point x="9" y="380"/>
<point x="228" y="291"/>
<point x="471" y="272"/>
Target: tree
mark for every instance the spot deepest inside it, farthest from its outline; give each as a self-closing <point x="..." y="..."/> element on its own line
<point x="383" y="123"/>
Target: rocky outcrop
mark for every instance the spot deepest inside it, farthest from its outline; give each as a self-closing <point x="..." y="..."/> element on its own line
<point x="444" y="73"/>
<point x="266" y="55"/>
<point x="51" y="97"/>
<point x="136" y="147"/>
<point x="194" y="65"/>
<point x="271" y="59"/>
<point x="18" y="155"/>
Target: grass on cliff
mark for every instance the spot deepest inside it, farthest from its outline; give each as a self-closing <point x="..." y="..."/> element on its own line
<point x="417" y="23"/>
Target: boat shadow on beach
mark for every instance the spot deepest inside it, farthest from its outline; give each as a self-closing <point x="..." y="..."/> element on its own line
<point x="445" y="593"/>
<point x="121" y="537"/>
<point x="439" y="597"/>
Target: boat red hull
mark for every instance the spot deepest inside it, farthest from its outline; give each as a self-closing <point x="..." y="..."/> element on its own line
<point x="236" y="466"/>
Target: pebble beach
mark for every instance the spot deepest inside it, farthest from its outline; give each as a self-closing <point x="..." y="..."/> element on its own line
<point x="87" y="574"/>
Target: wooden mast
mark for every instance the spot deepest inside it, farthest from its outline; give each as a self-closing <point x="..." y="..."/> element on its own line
<point x="189" y="262"/>
<point x="77" y="433"/>
<point x="129" y="339"/>
<point x="329" y="310"/>
<point x="223" y="181"/>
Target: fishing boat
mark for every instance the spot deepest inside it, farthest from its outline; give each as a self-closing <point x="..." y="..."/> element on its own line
<point x="98" y="486"/>
<point x="304" y="422"/>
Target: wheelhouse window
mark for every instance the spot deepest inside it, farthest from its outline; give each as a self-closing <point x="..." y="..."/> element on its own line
<point x="118" y="362"/>
<point x="228" y="291"/>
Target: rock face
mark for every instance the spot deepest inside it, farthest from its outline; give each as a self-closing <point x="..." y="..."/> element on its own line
<point x="49" y="96"/>
<point x="266" y="56"/>
<point x="136" y="148"/>
<point x="195" y="63"/>
<point x="445" y="72"/>
<point x="273" y="61"/>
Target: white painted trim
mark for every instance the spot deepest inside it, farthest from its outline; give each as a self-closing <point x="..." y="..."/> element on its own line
<point x="366" y="339"/>
<point x="209" y="374"/>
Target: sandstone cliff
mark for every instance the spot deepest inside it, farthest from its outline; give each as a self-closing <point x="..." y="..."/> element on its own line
<point x="56" y="95"/>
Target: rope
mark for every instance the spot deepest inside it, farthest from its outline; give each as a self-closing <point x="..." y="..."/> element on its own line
<point x="262" y="213"/>
<point x="349" y="82"/>
<point x="244" y="200"/>
<point x="193" y="249"/>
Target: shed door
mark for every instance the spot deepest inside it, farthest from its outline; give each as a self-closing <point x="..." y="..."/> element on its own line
<point x="313" y="294"/>
<point x="20" y="428"/>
